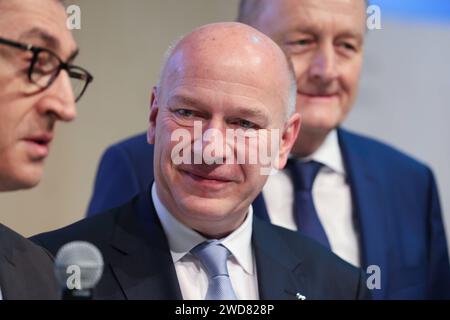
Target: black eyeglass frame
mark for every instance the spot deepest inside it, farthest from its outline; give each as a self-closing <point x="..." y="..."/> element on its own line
<point x="71" y="69"/>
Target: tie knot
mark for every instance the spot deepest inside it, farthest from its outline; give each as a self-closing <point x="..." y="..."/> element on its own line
<point x="213" y="256"/>
<point x="303" y="173"/>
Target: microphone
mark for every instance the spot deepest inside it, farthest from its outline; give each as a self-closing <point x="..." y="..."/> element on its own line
<point x="78" y="269"/>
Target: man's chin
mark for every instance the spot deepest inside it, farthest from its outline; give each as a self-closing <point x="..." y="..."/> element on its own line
<point x="17" y="184"/>
<point x="320" y="119"/>
<point x="319" y="116"/>
<point x="29" y="177"/>
<point x="195" y="203"/>
<point x="208" y="209"/>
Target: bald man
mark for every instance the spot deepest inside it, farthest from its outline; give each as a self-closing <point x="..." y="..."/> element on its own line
<point x="366" y="201"/>
<point x="36" y="52"/>
<point x="226" y="92"/>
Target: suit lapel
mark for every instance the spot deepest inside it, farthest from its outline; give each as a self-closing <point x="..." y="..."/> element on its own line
<point x="279" y="272"/>
<point x="8" y="283"/>
<point x="144" y="268"/>
<point x="369" y="205"/>
<point x="11" y="283"/>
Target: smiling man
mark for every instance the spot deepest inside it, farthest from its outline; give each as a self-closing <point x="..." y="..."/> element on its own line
<point x="192" y="233"/>
<point x="366" y="201"/>
<point x="35" y="93"/>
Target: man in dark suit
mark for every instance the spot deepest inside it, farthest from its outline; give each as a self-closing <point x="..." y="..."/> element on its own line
<point x="35" y="93"/>
<point x="192" y="234"/>
<point x="372" y="205"/>
<point x="26" y="270"/>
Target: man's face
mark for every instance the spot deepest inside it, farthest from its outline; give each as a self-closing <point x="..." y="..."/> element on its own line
<point x="219" y="95"/>
<point x="324" y="40"/>
<point x="27" y="114"/>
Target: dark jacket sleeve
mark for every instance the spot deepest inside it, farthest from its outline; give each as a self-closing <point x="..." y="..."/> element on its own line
<point x="116" y="181"/>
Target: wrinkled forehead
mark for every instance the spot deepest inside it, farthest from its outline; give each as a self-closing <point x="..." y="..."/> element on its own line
<point x="38" y="22"/>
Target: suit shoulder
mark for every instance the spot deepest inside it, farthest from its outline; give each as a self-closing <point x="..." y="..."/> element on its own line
<point x="383" y="153"/>
<point x="134" y="150"/>
<point x="32" y="276"/>
<point x="97" y="229"/>
<point x="11" y="240"/>
<point x="136" y="142"/>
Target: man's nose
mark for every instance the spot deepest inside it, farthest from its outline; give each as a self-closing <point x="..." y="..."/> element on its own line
<point x="214" y="144"/>
<point x="323" y="65"/>
<point x="59" y="99"/>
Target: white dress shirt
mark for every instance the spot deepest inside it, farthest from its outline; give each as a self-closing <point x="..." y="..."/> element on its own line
<point x="331" y="196"/>
<point x="191" y="275"/>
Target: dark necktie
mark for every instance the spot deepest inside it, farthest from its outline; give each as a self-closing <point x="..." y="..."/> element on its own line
<point x="305" y="214"/>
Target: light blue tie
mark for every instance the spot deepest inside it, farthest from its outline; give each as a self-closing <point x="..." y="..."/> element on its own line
<point x="214" y="256"/>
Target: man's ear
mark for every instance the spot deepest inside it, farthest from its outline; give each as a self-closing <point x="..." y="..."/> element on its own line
<point x="290" y="134"/>
<point x="153" y="114"/>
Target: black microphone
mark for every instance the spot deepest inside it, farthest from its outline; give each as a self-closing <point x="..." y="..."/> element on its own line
<point x="78" y="268"/>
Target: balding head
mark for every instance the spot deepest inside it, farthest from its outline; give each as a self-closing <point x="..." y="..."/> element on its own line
<point x="222" y="102"/>
<point x="225" y="50"/>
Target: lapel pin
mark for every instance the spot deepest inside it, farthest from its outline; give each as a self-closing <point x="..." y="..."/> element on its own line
<point x="300" y="296"/>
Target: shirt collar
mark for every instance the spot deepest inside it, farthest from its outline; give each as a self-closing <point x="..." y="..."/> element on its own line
<point x="329" y="154"/>
<point x="182" y="239"/>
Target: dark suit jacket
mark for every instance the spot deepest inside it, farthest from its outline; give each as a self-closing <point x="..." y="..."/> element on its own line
<point x="395" y="200"/>
<point x="138" y="264"/>
<point x="26" y="270"/>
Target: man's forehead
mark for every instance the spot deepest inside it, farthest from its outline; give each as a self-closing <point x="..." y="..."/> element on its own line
<point x="41" y="23"/>
<point x="341" y="11"/>
<point x="215" y="93"/>
<point x="301" y="15"/>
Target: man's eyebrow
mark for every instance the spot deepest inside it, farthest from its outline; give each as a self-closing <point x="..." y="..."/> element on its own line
<point x="46" y="39"/>
<point x="350" y="34"/>
<point x="184" y="100"/>
<point x="344" y="34"/>
<point x="314" y="29"/>
<point x="307" y="29"/>
<point x="251" y="112"/>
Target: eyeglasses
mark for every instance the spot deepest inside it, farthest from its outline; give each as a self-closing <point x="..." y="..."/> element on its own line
<point x="46" y="65"/>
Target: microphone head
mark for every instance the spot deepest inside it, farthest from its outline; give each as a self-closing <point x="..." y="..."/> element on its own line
<point x="78" y="261"/>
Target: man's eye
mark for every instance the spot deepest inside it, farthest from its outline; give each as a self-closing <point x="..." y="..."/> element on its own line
<point x="302" y="42"/>
<point x="348" y="46"/>
<point x="184" y="113"/>
<point x="43" y="67"/>
<point x="44" y="62"/>
<point x="299" y="45"/>
<point x="245" y="124"/>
